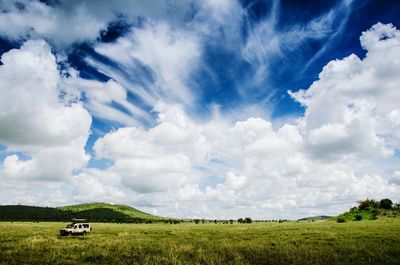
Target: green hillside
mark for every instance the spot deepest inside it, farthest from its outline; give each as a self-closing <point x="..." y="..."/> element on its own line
<point x="94" y="207"/>
<point x="94" y="212"/>
<point x="32" y="213"/>
<point x="370" y="210"/>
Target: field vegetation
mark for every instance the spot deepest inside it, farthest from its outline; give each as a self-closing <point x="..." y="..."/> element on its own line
<point x="321" y="242"/>
<point x="366" y="234"/>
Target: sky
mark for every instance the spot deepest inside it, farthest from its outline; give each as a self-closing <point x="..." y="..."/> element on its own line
<point x="274" y="109"/>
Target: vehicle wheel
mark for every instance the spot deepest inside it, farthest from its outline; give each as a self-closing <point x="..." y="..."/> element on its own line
<point x="70" y="234"/>
<point x="84" y="233"/>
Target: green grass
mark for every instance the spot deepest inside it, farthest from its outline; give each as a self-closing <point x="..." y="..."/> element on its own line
<point x="324" y="242"/>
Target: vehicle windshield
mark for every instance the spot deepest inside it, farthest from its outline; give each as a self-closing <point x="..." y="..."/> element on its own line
<point x="70" y="225"/>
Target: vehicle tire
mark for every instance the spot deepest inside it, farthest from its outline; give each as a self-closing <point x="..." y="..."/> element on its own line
<point x="69" y="234"/>
<point x="84" y="233"/>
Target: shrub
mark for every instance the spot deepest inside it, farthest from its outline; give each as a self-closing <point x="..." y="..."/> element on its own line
<point x="358" y="217"/>
<point x="353" y="209"/>
<point x="248" y="220"/>
<point x="340" y="220"/>
<point x="374" y="214"/>
<point x="196" y="221"/>
<point x="240" y="220"/>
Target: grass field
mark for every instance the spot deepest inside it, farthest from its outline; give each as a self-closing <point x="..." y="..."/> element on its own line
<point x="325" y="242"/>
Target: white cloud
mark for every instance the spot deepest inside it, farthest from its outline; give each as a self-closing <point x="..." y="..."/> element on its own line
<point x="332" y="154"/>
<point x="29" y="100"/>
<point x="34" y="121"/>
<point x="248" y="165"/>
<point x="99" y="97"/>
<point x="37" y="19"/>
<point x="95" y="185"/>
<point x="352" y="107"/>
<point x="170" y="54"/>
<point x="67" y="22"/>
<point x="157" y="159"/>
<point x="320" y="164"/>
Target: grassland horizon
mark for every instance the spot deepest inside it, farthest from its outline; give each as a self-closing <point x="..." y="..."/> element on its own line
<point x="322" y="242"/>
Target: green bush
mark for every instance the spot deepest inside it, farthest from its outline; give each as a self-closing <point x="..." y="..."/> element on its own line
<point x="374" y="214"/>
<point x="358" y="217"/>
<point x="340" y="220"/>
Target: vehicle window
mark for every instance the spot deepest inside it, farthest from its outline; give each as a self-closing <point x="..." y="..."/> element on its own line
<point x="75" y="227"/>
<point x="80" y="226"/>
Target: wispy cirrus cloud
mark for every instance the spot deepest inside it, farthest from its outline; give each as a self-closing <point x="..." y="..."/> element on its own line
<point x="268" y="42"/>
<point x="170" y="55"/>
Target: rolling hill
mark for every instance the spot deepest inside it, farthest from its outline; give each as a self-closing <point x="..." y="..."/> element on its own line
<point x="370" y="209"/>
<point x="315" y="218"/>
<point x="94" y="212"/>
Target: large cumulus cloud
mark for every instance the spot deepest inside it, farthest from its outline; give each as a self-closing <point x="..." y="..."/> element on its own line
<point x="328" y="158"/>
<point x="46" y="135"/>
<point x="342" y="149"/>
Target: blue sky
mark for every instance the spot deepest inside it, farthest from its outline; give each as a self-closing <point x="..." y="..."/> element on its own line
<point x="240" y="107"/>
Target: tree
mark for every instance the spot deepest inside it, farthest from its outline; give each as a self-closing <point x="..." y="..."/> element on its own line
<point x="196" y="221"/>
<point x="240" y="220"/>
<point x="386" y="204"/>
<point x="248" y="220"/>
<point x="363" y="205"/>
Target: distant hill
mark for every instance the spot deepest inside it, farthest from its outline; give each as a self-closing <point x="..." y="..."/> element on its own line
<point x="315" y="218"/>
<point x="94" y="212"/>
<point x="88" y="209"/>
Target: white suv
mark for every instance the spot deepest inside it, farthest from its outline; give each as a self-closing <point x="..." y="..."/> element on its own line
<point x="76" y="229"/>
